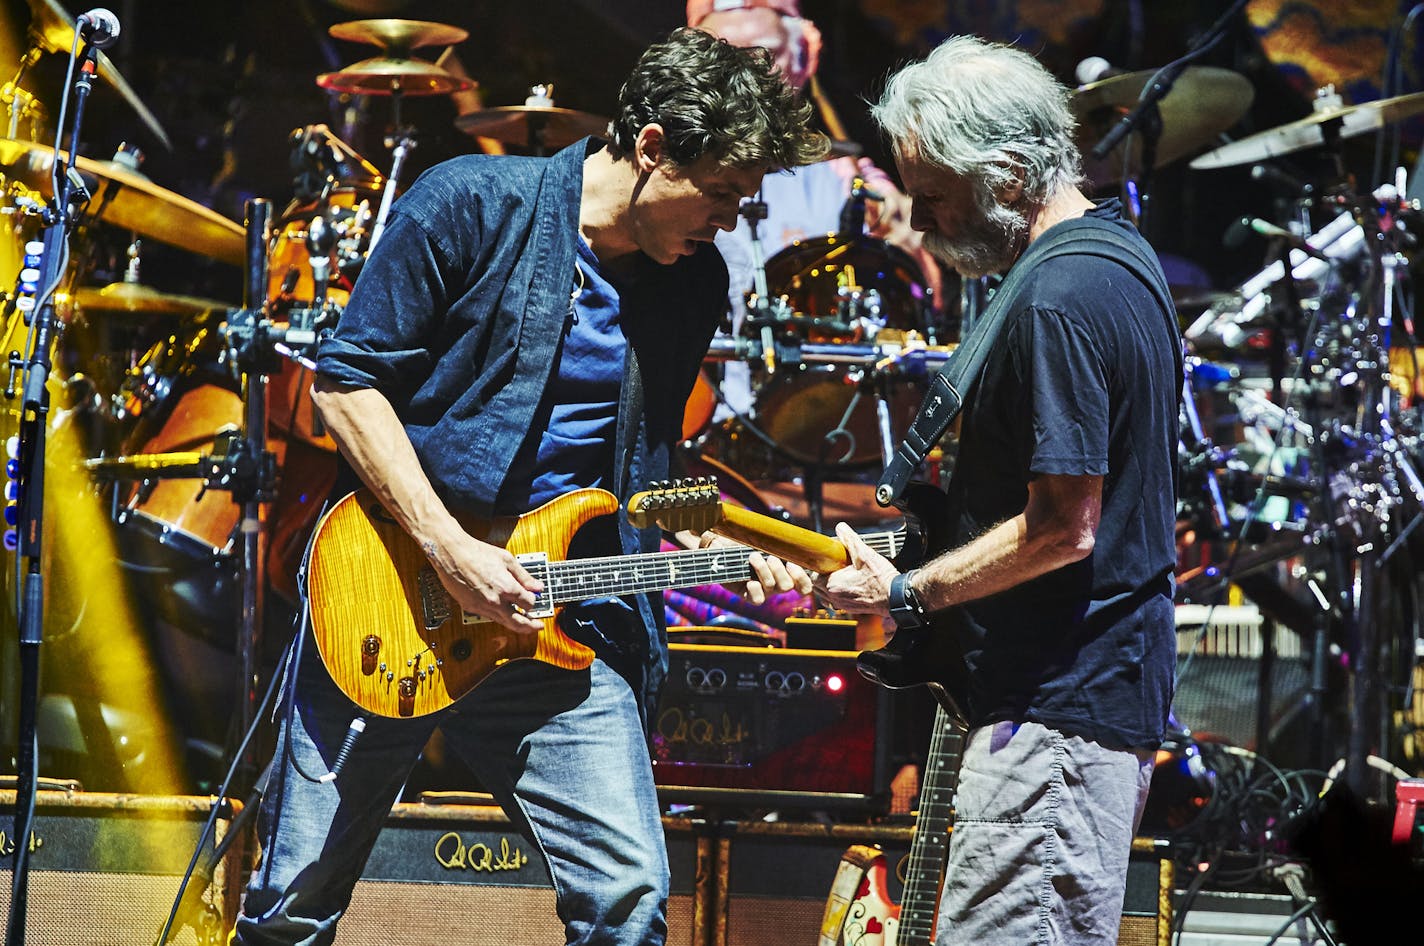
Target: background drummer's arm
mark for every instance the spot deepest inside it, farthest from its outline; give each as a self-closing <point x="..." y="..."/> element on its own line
<point x="483" y="578"/>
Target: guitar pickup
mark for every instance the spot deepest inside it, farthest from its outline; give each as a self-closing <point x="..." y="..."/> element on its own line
<point x="537" y="564"/>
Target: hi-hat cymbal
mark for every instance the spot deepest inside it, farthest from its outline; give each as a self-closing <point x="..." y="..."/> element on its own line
<point x="1204" y="101"/>
<point x="125" y="198"/>
<point x="133" y="298"/>
<point x="545" y="125"/>
<point x="384" y="76"/>
<point x="398" y="37"/>
<point x="1310" y="132"/>
<point x="52" y="30"/>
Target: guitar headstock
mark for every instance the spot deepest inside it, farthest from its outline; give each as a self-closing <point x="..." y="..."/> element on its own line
<point x="694" y="503"/>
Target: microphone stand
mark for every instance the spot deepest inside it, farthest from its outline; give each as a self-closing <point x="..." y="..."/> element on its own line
<point x="49" y="263"/>
<point x="1162" y="81"/>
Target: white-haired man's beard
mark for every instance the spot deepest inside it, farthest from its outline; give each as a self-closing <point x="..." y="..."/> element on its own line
<point x="986" y="245"/>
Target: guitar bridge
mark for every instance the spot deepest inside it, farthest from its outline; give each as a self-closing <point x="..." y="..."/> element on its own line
<point x="434" y="601"/>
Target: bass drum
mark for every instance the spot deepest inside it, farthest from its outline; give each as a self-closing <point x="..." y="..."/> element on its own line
<point x="850" y="291"/>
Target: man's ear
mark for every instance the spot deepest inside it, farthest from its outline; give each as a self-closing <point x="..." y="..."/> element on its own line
<point x="650" y="148"/>
<point x="1012" y="190"/>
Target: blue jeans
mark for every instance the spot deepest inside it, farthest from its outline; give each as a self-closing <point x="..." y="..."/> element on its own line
<point x="562" y="751"/>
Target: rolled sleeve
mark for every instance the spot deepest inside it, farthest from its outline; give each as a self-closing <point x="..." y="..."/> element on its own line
<point x="383" y="339"/>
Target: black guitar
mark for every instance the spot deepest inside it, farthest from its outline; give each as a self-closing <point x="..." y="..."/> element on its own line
<point x="924" y="655"/>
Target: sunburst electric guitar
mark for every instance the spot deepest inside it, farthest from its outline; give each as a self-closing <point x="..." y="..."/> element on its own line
<point x="396" y="644"/>
<point x="859" y="911"/>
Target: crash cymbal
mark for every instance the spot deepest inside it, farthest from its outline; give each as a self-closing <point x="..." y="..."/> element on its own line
<point x="1203" y="102"/>
<point x="546" y="125"/>
<point x="137" y="299"/>
<point x="52" y="30"/>
<point x="125" y="198"/>
<point x="398" y="37"/>
<point x="384" y="76"/>
<point x="1311" y="132"/>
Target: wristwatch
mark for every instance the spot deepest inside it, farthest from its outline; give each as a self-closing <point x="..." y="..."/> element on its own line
<point x="905" y="607"/>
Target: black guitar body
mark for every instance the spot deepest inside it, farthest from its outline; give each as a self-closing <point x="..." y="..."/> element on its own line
<point x="926" y="655"/>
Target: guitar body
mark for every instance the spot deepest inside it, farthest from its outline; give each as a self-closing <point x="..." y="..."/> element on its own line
<point x="384" y="625"/>
<point x="859" y="911"/>
<point x="921" y="656"/>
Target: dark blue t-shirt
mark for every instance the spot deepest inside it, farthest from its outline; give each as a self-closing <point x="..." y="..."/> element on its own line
<point x="1084" y="382"/>
<point x="571" y="443"/>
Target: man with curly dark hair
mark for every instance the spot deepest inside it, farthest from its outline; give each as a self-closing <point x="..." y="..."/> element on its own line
<point x="526" y="327"/>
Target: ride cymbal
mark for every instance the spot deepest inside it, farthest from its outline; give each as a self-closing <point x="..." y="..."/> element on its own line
<point x="52" y="30"/>
<point x="546" y="125"/>
<point x="1313" y="131"/>
<point x="385" y="76"/>
<point x="1203" y="102"/>
<point x="125" y="198"/>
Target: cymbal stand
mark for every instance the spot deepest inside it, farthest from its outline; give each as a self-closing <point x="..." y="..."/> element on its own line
<point x="401" y="141"/>
<point x="48" y="259"/>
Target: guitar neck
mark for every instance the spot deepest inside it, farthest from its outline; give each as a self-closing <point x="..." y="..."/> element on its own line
<point x="822" y="553"/>
<point x="920" y="901"/>
<point x="583" y="578"/>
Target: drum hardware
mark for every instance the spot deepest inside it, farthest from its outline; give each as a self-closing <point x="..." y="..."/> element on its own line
<point x="52" y="31"/>
<point x="538" y="124"/>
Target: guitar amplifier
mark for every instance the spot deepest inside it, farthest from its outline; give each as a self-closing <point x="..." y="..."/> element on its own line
<point x="771" y="727"/>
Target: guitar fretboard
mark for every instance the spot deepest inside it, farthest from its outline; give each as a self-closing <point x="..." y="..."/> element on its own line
<point x="919" y="903"/>
<point x="582" y="578"/>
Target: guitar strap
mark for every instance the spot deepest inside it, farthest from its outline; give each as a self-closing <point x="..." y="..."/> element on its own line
<point x="954" y="383"/>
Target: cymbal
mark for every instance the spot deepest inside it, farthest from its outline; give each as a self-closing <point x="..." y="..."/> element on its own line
<point x="386" y="76"/>
<point x="137" y="299"/>
<point x="52" y="30"/>
<point x="1310" y="132"/>
<point x="549" y="125"/>
<point x="1204" y="102"/>
<point x="125" y="198"/>
<point x="398" y="37"/>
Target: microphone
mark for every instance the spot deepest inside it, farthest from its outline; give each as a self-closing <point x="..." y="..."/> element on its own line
<point x="1237" y="232"/>
<point x="99" y="28"/>
<point x="1287" y="182"/>
<point x="1095" y="69"/>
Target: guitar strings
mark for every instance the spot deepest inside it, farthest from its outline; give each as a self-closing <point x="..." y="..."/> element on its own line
<point x="655" y="569"/>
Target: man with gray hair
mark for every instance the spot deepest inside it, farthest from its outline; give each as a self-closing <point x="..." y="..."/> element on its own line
<point x="1057" y="581"/>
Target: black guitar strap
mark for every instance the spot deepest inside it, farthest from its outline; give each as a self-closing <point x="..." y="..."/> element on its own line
<point x="954" y="383"/>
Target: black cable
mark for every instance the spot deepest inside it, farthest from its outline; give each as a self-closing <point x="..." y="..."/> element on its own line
<point x="217" y="808"/>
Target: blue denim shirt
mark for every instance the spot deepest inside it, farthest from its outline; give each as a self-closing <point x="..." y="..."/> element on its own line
<point x="456" y="319"/>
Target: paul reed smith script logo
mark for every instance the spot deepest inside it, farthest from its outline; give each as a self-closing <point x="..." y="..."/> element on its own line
<point x="7" y="844"/>
<point x="452" y="853"/>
